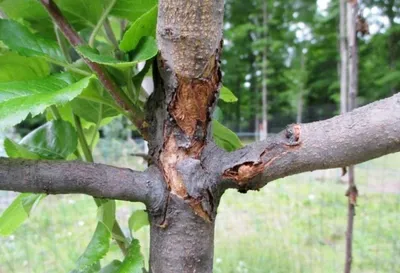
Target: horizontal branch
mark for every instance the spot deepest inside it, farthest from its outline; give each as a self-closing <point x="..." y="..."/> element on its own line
<point x="64" y="177"/>
<point x="363" y="134"/>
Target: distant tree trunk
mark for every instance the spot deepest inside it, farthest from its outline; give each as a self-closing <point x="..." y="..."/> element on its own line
<point x="264" y="95"/>
<point x="343" y="58"/>
<point x="391" y="41"/>
<point x="353" y="82"/>
<point x="300" y="102"/>
<point x="238" y="87"/>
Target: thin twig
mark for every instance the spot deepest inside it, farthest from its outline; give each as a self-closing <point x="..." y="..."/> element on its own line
<point x="136" y="114"/>
<point x="101" y="21"/>
<point x="82" y="140"/>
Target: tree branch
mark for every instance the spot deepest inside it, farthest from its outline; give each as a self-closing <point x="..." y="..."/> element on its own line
<point x="363" y="134"/>
<point x="65" y="177"/>
<point x="136" y="115"/>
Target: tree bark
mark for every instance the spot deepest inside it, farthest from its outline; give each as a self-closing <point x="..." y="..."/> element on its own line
<point x="300" y="102"/>
<point x="365" y="133"/>
<point x="187" y="82"/>
<point x="66" y="177"/>
<point x="184" y="242"/>
<point x="343" y="57"/>
<point x="264" y="91"/>
<point x="189" y="173"/>
<point x="352" y="95"/>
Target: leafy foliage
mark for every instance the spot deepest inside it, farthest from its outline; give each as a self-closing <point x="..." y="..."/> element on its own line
<point x="20" y="98"/>
<point x="225" y="138"/>
<point x="145" y="25"/>
<point x="17" y="212"/>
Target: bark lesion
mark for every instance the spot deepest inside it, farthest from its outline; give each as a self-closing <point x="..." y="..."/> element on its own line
<point x="188" y="105"/>
<point x="243" y="173"/>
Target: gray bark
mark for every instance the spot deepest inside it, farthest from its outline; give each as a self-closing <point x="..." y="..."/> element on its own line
<point x="189" y="173"/>
<point x="352" y="95"/>
<point x="264" y="91"/>
<point x="182" y="242"/>
<point x="365" y="133"/>
<point x="343" y="57"/>
<point x="68" y="177"/>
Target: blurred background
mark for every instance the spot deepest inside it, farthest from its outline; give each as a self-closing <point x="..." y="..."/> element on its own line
<point x="296" y="224"/>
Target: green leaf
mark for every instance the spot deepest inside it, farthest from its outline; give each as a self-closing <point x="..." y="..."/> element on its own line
<point x="133" y="262"/>
<point x="18" y="212"/>
<point x="90" y="110"/>
<point x="138" y="219"/>
<point x="18" y="99"/>
<point x="55" y="139"/>
<point x="225" y="138"/>
<point x="25" y="9"/>
<point x="15" y="150"/>
<point x="18" y="38"/>
<point x="106" y="214"/>
<point x="145" y="49"/>
<point x="18" y="68"/>
<point x="81" y="13"/>
<point x="97" y="248"/>
<point x="112" y="267"/>
<point x="145" y="25"/>
<point x="226" y="95"/>
<point x="124" y="8"/>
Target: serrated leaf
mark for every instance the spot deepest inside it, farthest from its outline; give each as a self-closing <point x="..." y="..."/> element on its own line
<point x="106" y="214"/>
<point x="18" y="38"/>
<point x="18" y="99"/>
<point x="138" y="219"/>
<point x="145" y="25"/>
<point x="96" y="249"/>
<point x="145" y="50"/>
<point x="225" y="138"/>
<point x="123" y="8"/>
<point x="17" y="68"/>
<point x="134" y="261"/>
<point x="55" y="139"/>
<point x="18" y="212"/>
<point x="227" y="95"/>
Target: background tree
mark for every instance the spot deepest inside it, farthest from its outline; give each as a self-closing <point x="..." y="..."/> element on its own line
<point x="84" y="83"/>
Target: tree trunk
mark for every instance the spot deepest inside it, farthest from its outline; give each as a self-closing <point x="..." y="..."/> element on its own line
<point x="352" y="95"/>
<point x="299" y="116"/>
<point x="185" y="244"/>
<point x="343" y="58"/>
<point x="187" y="80"/>
<point x="264" y="94"/>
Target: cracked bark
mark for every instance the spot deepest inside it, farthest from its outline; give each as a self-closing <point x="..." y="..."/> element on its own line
<point x="189" y="173"/>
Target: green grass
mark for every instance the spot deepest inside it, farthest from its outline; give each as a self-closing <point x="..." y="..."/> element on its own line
<point x="296" y="224"/>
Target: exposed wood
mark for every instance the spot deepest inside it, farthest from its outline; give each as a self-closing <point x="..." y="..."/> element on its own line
<point x="363" y="134"/>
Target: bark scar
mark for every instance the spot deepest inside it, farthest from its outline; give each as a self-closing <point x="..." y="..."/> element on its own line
<point x="244" y="172"/>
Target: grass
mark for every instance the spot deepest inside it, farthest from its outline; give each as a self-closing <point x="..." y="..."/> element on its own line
<point x="296" y="224"/>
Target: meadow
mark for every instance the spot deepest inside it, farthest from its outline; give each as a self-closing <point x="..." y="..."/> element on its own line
<point x="296" y="224"/>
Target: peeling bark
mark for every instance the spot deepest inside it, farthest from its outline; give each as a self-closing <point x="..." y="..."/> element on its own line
<point x="187" y="82"/>
<point x="189" y="173"/>
<point x="365" y="133"/>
